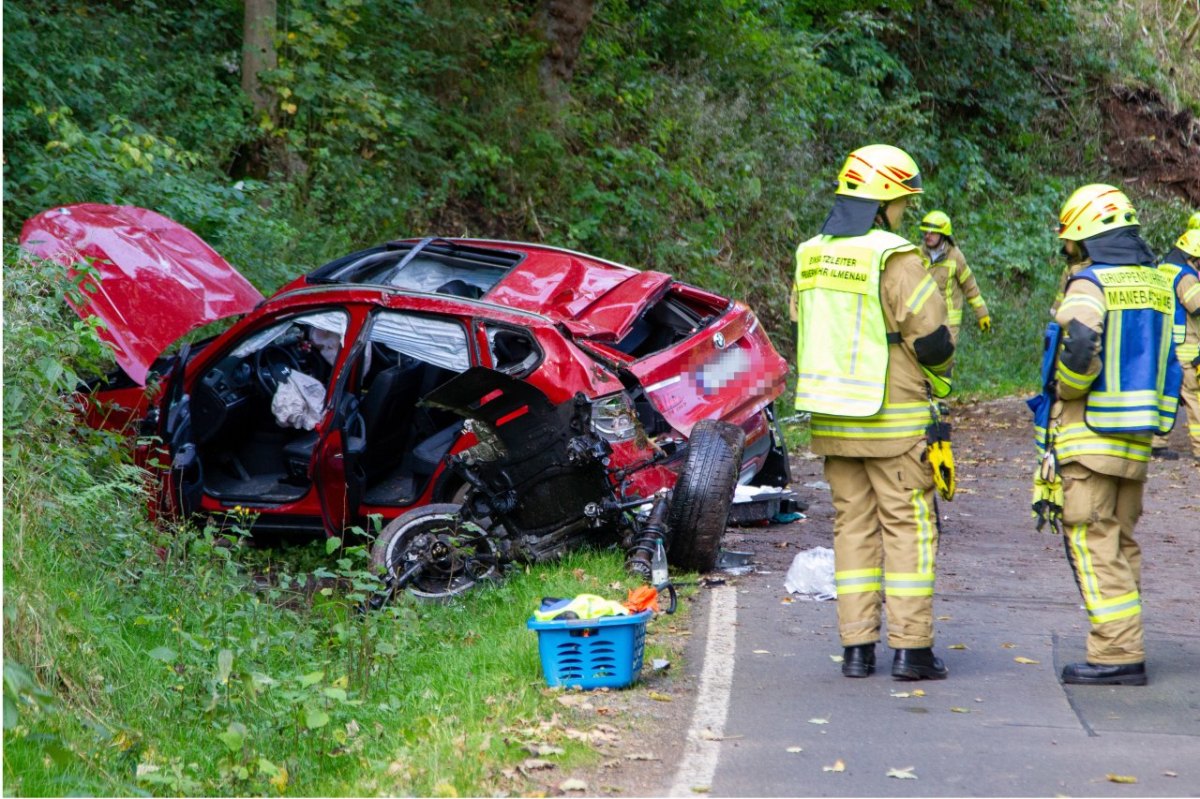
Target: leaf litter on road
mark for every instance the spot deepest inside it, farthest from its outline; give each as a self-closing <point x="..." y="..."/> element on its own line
<point x="1124" y="779"/>
<point x="1026" y="661"/>
<point x="837" y="767"/>
<point x="905" y="773"/>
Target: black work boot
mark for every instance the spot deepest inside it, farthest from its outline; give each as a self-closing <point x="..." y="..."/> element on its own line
<point x="918" y="664"/>
<point x="1165" y="453"/>
<point x="1098" y="674"/>
<point x="858" y="661"/>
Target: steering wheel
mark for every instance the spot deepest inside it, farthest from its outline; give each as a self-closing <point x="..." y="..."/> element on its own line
<point x="273" y="365"/>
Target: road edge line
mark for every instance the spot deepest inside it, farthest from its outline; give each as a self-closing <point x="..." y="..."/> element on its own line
<point x="699" y="763"/>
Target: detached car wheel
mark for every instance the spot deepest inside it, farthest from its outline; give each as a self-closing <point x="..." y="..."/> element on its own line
<point x="701" y="498"/>
<point x="433" y="553"/>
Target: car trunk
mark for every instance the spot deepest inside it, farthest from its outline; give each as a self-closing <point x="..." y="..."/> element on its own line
<point x="697" y="356"/>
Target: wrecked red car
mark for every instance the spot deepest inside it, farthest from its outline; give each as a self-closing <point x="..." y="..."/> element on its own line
<point x="309" y="409"/>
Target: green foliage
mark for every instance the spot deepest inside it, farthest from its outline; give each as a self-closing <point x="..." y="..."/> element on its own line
<point x="700" y="137"/>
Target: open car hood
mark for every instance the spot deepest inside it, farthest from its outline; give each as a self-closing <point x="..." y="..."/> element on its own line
<point x="157" y="280"/>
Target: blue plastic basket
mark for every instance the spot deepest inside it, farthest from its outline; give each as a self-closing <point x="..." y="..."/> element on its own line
<point x="592" y="653"/>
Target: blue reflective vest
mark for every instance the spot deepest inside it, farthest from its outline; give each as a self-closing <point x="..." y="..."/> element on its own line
<point x="1137" y="390"/>
<point x="1185" y="352"/>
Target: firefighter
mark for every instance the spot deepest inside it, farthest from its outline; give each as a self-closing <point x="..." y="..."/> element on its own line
<point x="1117" y="384"/>
<point x="1181" y="265"/>
<point x="954" y="278"/>
<point x="873" y="341"/>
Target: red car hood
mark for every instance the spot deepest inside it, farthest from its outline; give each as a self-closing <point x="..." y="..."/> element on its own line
<point x="157" y="279"/>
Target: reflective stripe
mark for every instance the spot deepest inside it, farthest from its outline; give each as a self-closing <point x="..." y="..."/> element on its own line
<point x="858" y="581"/>
<point x="976" y="301"/>
<point x="921" y="294"/>
<point x="1082" y="299"/>
<point x="901" y="420"/>
<point x="1088" y="584"/>
<point x="910" y="584"/>
<point x="1192" y="292"/>
<point x="1074" y="440"/>
<point x="925" y="532"/>
<point x="1129" y="409"/>
<point x="954" y="317"/>
<point x="856" y="395"/>
<point x="1073" y="379"/>
<point x="1102" y="610"/>
<point x="1112" y="350"/>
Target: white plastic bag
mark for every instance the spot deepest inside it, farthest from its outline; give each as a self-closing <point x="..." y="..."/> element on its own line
<point x="811" y="575"/>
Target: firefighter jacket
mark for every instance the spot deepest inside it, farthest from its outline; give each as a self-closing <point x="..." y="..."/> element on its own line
<point x="1117" y="376"/>
<point x="1069" y="271"/>
<point x="1186" y="327"/>
<point x="863" y="304"/>
<point x="955" y="281"/>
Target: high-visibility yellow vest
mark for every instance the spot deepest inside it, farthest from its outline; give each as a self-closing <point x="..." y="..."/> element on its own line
<point x="842" y="357"/>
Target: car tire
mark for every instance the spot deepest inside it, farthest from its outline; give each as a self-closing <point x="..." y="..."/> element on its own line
<point x="703" y="493"/>
<point x="472" y="556"/>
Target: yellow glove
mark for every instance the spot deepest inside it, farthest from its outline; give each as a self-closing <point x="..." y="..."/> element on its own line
<point x="941" y="458"/>
<point x="985" y="324"/>
<point x="1048" y="494"/>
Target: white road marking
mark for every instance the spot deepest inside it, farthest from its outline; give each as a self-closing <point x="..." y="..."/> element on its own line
<point x="699" y="763"/>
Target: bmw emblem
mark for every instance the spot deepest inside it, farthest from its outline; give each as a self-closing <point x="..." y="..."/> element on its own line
<point x="719" y="341"/>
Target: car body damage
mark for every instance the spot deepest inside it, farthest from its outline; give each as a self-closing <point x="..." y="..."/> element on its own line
<point x="155" y="280"/>
<point x="308" y="409"/>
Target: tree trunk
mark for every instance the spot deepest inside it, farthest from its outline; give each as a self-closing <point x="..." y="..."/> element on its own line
<point x="563" y="24"/>
<point x="258" y="52"/>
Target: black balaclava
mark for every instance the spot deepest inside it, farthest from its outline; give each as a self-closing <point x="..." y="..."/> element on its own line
<point x="1120" y="247"/>
<point x="851" y="216"/>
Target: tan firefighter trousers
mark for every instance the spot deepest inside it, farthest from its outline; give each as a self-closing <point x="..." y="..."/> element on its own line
<point x="1099" y="513"/>
<point x="884" y="518"/>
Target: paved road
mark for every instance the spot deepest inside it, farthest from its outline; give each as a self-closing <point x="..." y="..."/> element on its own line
<point x="996" y="727"/>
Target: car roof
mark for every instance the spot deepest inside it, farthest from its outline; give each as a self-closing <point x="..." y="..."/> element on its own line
<point x="384" y="296"/>
<point x="559" y="284"/>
